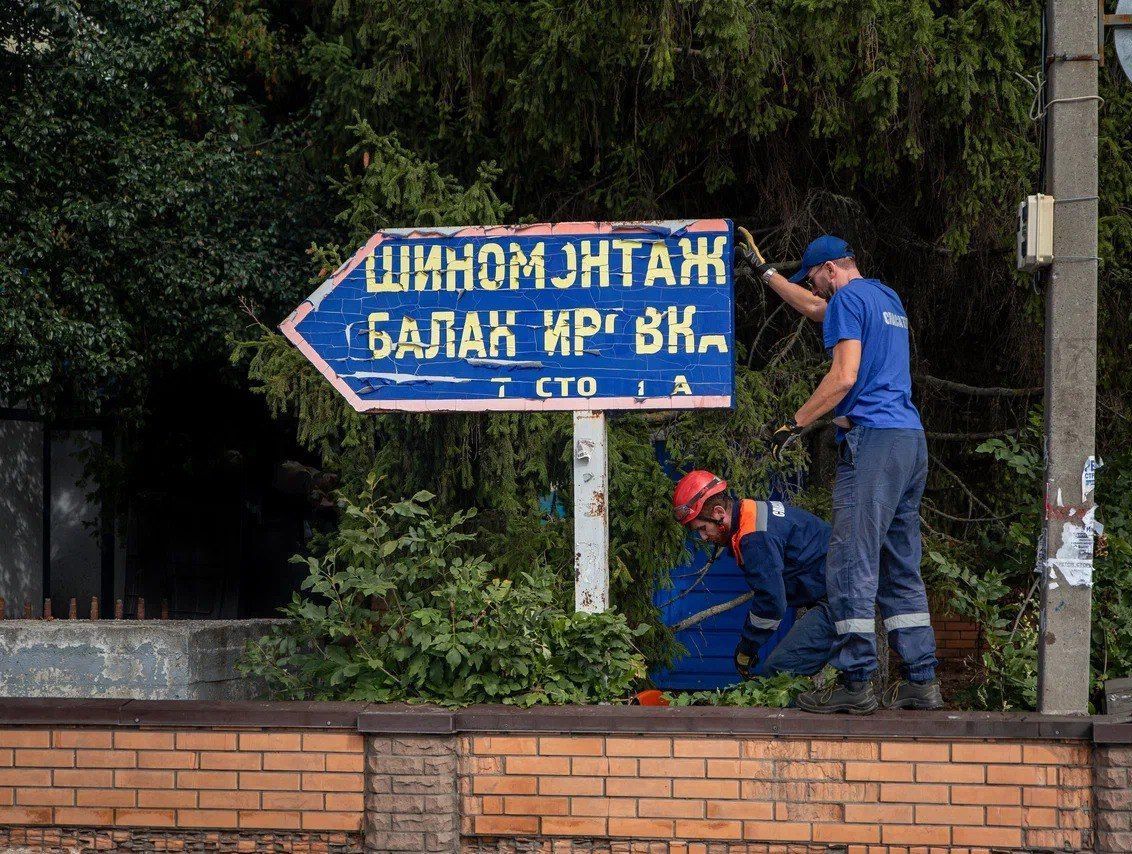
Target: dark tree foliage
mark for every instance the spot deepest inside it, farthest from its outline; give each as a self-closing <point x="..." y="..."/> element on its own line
<point x="138" y="212"/>
<point x="145" y="189"/>
<point x="905" y="127"/>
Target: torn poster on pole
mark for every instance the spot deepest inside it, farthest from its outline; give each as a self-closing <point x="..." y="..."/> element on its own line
<point x="567" y="316"/>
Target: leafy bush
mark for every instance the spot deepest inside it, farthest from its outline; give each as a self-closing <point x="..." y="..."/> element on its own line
<point x="1010" y="669"/>
<point x="398" y="608"/>
<point x="464" y="121"/>
<point x="773" y="691"/>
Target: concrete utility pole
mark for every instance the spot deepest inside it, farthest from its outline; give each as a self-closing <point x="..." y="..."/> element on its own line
<point x="1071" y="357"/>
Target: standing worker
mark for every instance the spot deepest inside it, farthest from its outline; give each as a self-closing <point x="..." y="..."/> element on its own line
<point x="882" y="463"/>
<point x="781" y="550"/>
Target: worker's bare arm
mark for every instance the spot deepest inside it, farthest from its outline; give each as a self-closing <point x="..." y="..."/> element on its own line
<point x="798" y="298"/>
<point x="835" y="384"/>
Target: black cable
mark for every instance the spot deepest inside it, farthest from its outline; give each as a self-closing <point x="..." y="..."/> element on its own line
<point x="1044" y="120"/>
<point x="1042" y="81"/>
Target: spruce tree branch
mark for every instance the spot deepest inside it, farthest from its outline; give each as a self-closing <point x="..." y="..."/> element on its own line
<point x="762" y="329"/>
<point x="700" y="575"/>
<point x="789" y="345"/>
<point x="250" y="312"/>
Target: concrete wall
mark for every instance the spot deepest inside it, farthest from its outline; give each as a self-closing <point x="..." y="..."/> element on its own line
<point x="149" y="660"/>
<point x="21" y="514"/>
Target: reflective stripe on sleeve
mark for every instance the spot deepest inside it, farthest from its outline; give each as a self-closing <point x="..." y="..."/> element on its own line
<point x="860" y="627"/>
<point x="908" y="621"/>
<point x="762" y="622"/>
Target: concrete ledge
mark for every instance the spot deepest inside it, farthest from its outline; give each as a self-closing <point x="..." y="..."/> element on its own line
<point x="129" y="659"/>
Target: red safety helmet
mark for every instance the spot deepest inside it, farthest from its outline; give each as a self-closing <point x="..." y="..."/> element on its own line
<point x="692" y="491"/>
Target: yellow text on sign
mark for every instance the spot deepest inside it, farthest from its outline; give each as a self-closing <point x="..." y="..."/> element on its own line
<point x="505" y="265"/>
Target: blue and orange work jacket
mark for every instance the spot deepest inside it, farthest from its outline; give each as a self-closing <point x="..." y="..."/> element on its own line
<point x="781" y="550"/>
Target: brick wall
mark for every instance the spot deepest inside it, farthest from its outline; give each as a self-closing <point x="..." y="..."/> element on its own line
<point x="953" y="795"/>
<point x="122" y="778"/>
<point x="956" y="638"/>
<point x="1114" y="798"/>
<point x="301" y="777"/>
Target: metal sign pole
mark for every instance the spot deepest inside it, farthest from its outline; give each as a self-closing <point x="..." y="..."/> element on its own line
<point x="591" y="512"/>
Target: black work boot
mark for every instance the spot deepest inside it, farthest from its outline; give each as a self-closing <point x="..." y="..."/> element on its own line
<point x="843" y="695"/>
<point x="913" y="695"/>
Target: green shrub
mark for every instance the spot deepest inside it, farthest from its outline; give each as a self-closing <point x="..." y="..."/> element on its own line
<point x="773" y="691"/>
<point x="399" y="608"/>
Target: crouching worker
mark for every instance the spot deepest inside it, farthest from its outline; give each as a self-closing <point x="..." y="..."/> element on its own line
<point x="781" y="550"/>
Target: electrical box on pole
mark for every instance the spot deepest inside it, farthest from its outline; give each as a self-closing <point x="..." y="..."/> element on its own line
<point x="1035" y="232"/>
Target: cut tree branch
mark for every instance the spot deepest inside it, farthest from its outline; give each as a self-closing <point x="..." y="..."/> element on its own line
<point x="976" y="391"/>
<point x="928" y="506"/>
<point x="958" y="480"/>
<point x="990" y="434"/>
<point x="707" y="613"/>
<point x="700" y="575"/>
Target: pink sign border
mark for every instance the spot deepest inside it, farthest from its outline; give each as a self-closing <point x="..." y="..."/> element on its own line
<point x="288" y="328"/>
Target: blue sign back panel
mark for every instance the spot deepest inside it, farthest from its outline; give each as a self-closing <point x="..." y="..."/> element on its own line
<point x="711" y="643"/>
<point x="566" y="316"/>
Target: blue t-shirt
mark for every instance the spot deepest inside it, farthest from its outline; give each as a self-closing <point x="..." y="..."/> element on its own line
<point x="784" y="562"/>
<point x="869" y="311"/>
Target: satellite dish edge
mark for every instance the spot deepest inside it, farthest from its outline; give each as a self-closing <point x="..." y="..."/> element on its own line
<point x="1122" y="39"/>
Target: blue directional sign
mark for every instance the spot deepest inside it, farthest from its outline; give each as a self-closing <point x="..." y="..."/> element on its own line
<point x="589" y="315"/>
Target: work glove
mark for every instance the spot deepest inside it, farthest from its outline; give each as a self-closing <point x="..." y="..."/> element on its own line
<point x="748" y="252"/>
<point x="783" y="438"/>
<point x="746" y="658"/>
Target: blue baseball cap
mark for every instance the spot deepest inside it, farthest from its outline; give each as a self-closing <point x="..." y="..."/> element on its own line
<point x="821" y="249"/>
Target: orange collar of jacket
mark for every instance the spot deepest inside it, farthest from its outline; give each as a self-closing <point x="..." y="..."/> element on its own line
<point x="748" y="524"/>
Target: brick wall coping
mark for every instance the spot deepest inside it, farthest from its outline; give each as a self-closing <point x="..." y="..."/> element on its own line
<point x="432" y="720"/>
<point x="295" y="714"/>
<point x="1108" y="731"/>
<point x="732" y="721"/>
